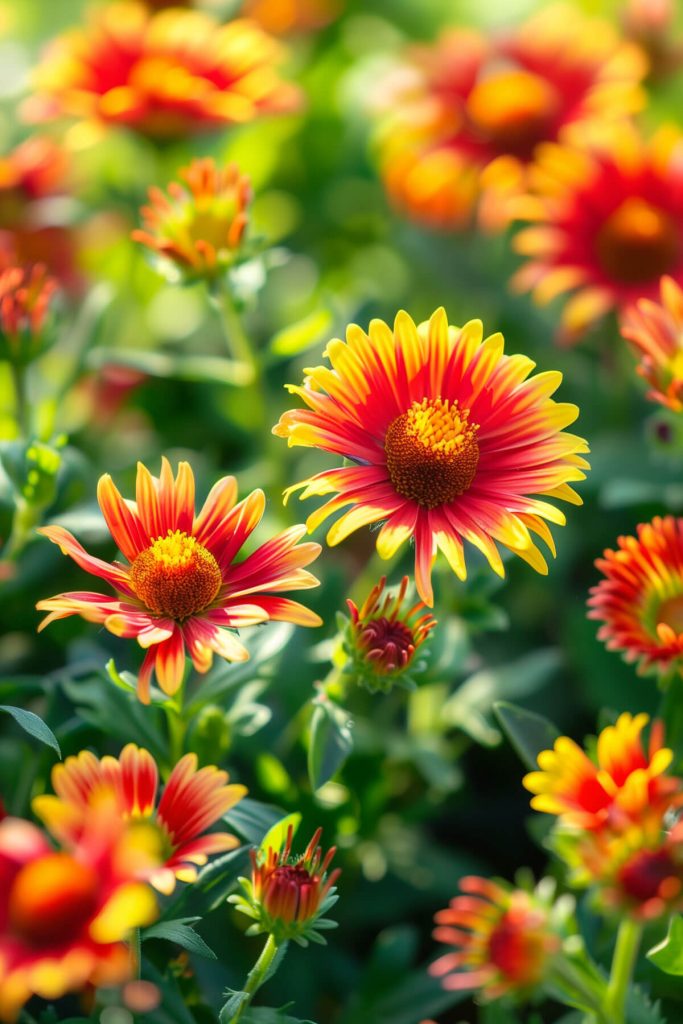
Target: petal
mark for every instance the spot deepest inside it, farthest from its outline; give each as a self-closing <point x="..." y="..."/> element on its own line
<point x="123" y="522"/>
<point x="115" y="575"/>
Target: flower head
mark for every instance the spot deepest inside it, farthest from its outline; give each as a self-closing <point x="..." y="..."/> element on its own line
<point x="608" y="223"/>
<point x="288" y="896"/>
<point x="625" y="784"/>
<point x="466" y="114"/>
<point x="282" y="17"/>
<point x="165" y="74"/>
<point x="182" y="589"/>
<point x="505" y="939"/>
<point x="198" y="228"/>
<point x="383" y="637"/>
<point x="25" y="313"/>
<point x="450" y="441"/>
<point x="655" y="331"/>
<point x="640" y="599"/>
<point x="192" y="801"/>
<point x="65" y="913"/>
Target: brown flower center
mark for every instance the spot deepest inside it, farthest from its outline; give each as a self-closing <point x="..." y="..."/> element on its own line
<point x="432" y="452"/>
<point x="388" y="645"/>
<point x="514" y="109"/>
<point x="638" y="242"/>
<point x="176" y="576"/>
<point x="670" y="612"/>
<point x="52" y="898"/>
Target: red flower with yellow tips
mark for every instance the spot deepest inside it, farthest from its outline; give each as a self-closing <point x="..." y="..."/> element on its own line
<point x="193" y="801"/>
<point x="182" y="590"/>
<point x="450" y="438"/>
<point x="655" y="331"/>
<point x="166" y="75"/>
<point x="608" y="223"/>
<point x="505" y="939"/>
<point x="198" y="228"/>
<point x="640" y="599"/>
<point x="465" y="115"/>
<point x="625" y="784"/>
<point x="25" y="298"/>
<point x="64" y="914"/>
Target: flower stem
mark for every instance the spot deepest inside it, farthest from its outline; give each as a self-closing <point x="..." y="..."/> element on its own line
<point x="21" y="405"/>
<point x="257" y="976"/>
<point x="239" y="345"/>
<point x="623" y="962"/>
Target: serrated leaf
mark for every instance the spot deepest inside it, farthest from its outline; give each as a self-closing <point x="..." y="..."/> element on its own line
<point x="667" y="955"/>
<point x="33" y="725"/>
<point x="181" y="932"/>
<point x="277" y="835"/>
<point x="528" y="732"/>
<point x="640" y="1009"/>
<point x="330" y="744"/>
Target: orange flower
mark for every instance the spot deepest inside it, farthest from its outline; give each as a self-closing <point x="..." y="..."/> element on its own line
<point x="640" y="600"/>
<point x="505" y="939"/>
<point x="449" y="441"/>
<point x="64" y="914"/>
<point x="25" y="297"/>
<point x="198" y="227"/>
<point x="193" y="800"/>
<point x="282" y="17"/>
<point x="626" y="784"/>
<point x="382" y="641"/>
<point x="286" y="896"/>
<point x="183" y="589"/>
<point x="655" y="330"/>
<point x="166" y="74"/>
<point x="609" y="219"/>
<point x="466" y="114"/>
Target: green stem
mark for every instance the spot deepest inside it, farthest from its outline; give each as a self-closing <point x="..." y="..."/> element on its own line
<point x="623" y="962"/>
<point x="21" y="405"/>
<point x="136" y="954"/>
<point x="177" y="727"/>
<point x="239" y="345"/>
<point x="257" y="975"/>
<point x="24" y="521"/>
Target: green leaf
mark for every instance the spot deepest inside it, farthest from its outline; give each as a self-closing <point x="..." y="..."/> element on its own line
<point x="528" y="732"/>
<point x="277" y="835"/>
<point x="252" y="819"/>
<point x="194" y="368"/>
<point x="667" y="955"/>
<point x="181" y="932"/>
<point x="300" y="336"/>
<point x="33" y="725"/>
<point x="330" y="744"/>
<point x="265" y="1015"/>
<point x="641" y="1010"/>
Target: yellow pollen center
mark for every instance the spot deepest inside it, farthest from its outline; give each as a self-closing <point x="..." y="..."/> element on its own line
<point x="176" y="576"/>
<point x="513" y="108"/>
<point x="432" y="452"/>
<point x="638" y="242"/>
<point x="670" y="612"/>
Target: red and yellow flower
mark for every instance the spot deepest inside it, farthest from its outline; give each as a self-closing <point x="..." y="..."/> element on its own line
<point x="505" y="939"/>
<point x="198" y="228"/>
<point x="640" y="600"/>
<point x="625" y="785"/>
<point x="382" y="641"/>
<point x="467" y="113"/>
<point x="64" y="914"/>
<point x="655" y="331"/>
<point x="608" y="223"/>
<point x="193" y="801"/>
<point x="450" y="442"/>
<point x="182" y="589"/>
<point x="25" y="298"/>
<point x="287" y="896"/>
<point x="164" y="74"/>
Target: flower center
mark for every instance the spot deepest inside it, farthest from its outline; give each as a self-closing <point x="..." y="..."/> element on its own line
<point x="432" y="452"/>
<point x="388" y="645"/>
<point x="650" y="874"/>
<point x="670" y="612"/>
<point x="514" y="109"/>
<point x="519" y="946"/>
<point x="638" y="242"/>
<point x="52" y="898"/>
<point x="176" y="576"/>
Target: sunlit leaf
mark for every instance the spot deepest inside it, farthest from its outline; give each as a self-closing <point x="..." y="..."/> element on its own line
<point x="33" y="725"/>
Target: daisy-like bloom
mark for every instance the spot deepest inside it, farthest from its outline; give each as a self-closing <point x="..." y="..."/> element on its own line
<point x="287" y="896"/>
<point x="382" y="641"/>
<point x="625" y="784"/>
<point x="640" y="600"/>
<point x="469" y="110"/>
<point x="449" y="438"/>
<point x="655" y="331"/>
<point x="608" y="223"/>
<point x="65" y="913"/>
<point x="198" y="228"/>
<point x="182" y="589"/>
<point x="505" y="939"/>
<point x="166" y="75"/>
<point x="193" y="801"/>
<point x="25" y="298"/>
